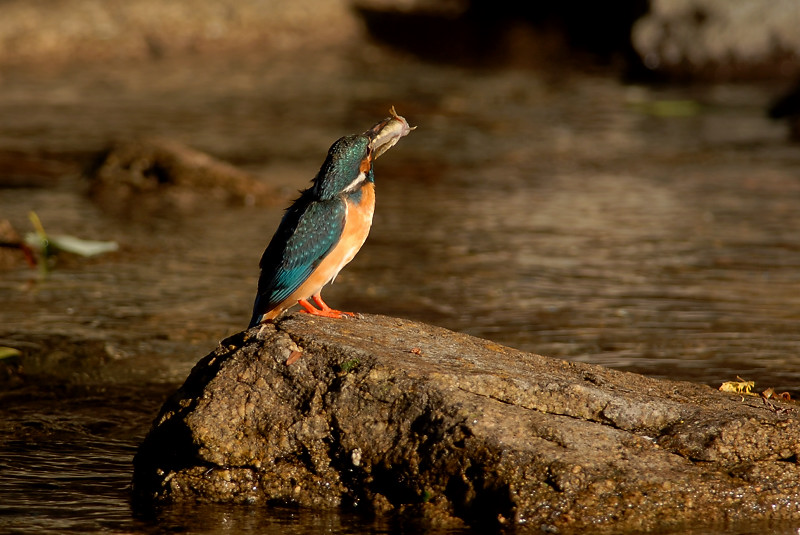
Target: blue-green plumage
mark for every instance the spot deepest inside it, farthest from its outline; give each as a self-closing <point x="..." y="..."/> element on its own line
<point x="308" y="232"/>
<point x="311" y="227"/>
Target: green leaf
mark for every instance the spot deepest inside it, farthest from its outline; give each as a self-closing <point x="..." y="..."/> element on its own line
<point x="8" y="352"/>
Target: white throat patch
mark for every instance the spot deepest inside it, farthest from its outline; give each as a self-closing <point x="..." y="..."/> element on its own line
<point x="355" y="183"/>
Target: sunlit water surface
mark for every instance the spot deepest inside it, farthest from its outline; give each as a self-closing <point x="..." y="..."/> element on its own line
<point x="651" y="230"/>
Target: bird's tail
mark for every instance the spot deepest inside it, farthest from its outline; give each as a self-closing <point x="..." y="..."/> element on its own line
<point x="257" y="314"/>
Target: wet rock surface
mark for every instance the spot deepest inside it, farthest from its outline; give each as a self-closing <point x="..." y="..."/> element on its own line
<point x="395" y="417"/>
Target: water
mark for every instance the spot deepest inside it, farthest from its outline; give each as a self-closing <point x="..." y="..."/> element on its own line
<point x="62" y="472"/>
<point x="559" y="213"/>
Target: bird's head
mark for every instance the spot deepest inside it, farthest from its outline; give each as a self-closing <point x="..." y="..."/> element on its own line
<point x="349" y="161"/>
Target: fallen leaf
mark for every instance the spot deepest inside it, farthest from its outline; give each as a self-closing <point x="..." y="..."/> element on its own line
<point x="294" y="356"/>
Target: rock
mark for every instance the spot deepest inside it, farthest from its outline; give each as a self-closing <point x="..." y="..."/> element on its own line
<point x="160" y="175"/>
<point x="787" y="107"/>
<point x="720" y="39"/>
<point x="394" y="417"/>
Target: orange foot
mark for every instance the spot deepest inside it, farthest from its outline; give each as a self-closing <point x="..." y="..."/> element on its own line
<point x="323" y="310"/>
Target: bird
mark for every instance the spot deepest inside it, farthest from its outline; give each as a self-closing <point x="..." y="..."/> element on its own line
<point x="323" y="230"/>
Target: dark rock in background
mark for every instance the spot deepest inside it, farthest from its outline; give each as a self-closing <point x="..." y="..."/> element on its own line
<point x="787" y="107"/>
<point x="390" y="416"/>
<point x="502" y="33"/>
<point x="165" y="175"/>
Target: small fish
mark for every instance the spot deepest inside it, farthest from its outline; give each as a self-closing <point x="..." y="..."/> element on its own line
<point x="388" y="132"/>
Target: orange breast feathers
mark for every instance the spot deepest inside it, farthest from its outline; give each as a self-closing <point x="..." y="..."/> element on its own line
<point x="358" y="220"/>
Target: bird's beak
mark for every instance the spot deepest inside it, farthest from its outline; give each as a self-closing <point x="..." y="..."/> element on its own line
<point x="384" y="135"/>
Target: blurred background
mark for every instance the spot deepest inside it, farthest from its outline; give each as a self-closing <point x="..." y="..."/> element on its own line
<point x="607" y="182"/>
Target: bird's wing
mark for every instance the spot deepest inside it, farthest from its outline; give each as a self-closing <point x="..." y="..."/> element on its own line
<point x="307" y="233"/>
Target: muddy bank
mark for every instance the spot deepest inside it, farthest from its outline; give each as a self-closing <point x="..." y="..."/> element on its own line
<point x="395" y="417"/>
<point x="73" y="31"/>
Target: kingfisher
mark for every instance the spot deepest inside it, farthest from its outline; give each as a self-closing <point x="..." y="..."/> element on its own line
<point x="325" y="227"/>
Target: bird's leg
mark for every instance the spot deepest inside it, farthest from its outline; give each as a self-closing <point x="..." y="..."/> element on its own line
<point x="323" y="310"/>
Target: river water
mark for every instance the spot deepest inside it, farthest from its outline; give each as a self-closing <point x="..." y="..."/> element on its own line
<point x="651" y="229"/>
